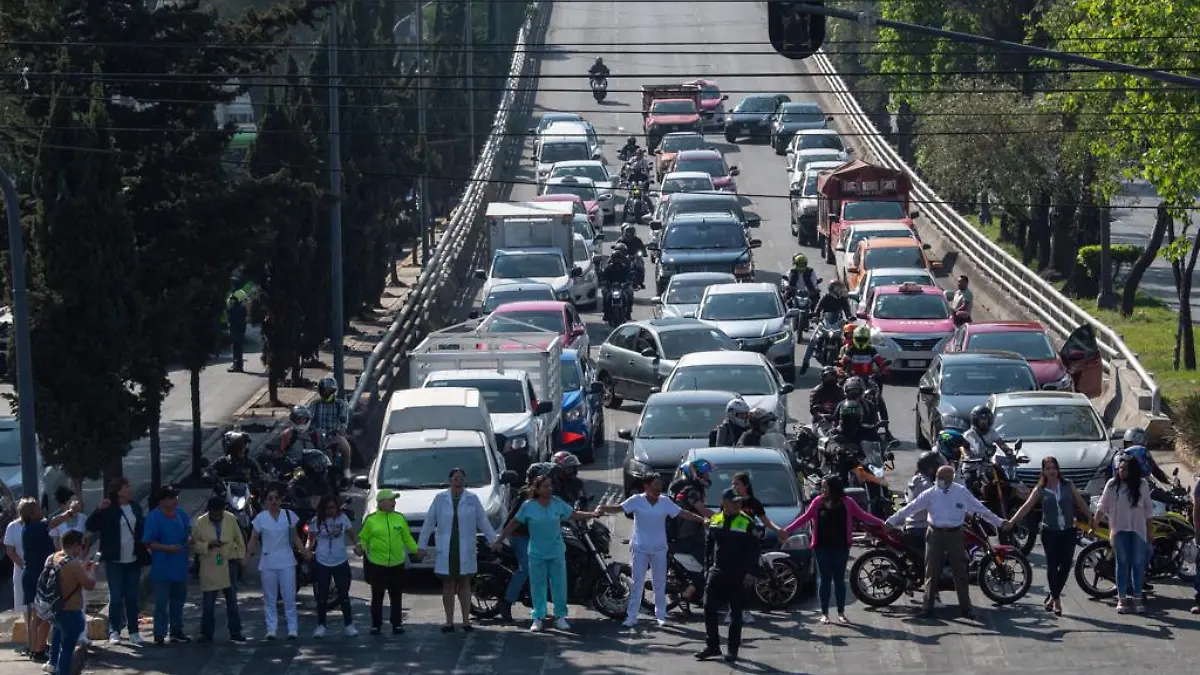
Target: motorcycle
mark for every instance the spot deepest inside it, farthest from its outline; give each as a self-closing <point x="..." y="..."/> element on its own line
<point x="803" y="302"/>
<point x="617" y="310"/>
<point x="829" y="338"/>
<point x="863" y="466"/>
<point x="995" y="483"/>
<point x="599" y="88"/>
<point x="889" y="568"/>
<point x="637" y="206"/>
<point x="1173" y="549"/>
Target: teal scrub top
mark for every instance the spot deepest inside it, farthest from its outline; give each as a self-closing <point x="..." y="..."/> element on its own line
<point x="545" y="526"/>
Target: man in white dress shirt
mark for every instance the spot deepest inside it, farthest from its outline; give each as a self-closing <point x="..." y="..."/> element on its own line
<point x="946" y="505"/>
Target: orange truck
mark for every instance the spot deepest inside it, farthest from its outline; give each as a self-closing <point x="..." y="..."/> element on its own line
<point x="860" y="193"/>
<point x="667" y="108"/>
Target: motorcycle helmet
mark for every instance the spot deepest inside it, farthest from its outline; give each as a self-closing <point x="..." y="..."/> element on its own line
<point x="800" y="262"/>
<point x="981" y="418"/>
<point x="628" y="231"/>
<point x="300" y="418"/>
<point x="761" y="419"/>
<point x="631" y="141"/>
<point x="537" y="470"/>
<point x="327" y="388"/>
<point x="697" y="469"/>
<point x="929" y="462"/>
<point x="829" y="375"/>
<point x="862" y="337"/>
<point x="1135" y="436"/>
<point x="599" y="61"/>
<point x="233" y="439"/>
<point x="620" y="249"/>
<point x="950" y="441"/>
<point x="854" y="387"/>
<point x="852" y="412"/>
<point x="738" y="412"/>
<point x="837" y="289"/>
<point x="565" y="460"/>
<point x="315" y="463"/>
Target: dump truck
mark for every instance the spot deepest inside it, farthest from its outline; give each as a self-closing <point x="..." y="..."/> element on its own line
<point x="667" y="108"/>
<point x="860" y="193"/>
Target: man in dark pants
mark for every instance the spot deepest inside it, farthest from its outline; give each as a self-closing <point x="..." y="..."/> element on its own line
<point x="236" y="313"/>
<point x="732" y="554"/>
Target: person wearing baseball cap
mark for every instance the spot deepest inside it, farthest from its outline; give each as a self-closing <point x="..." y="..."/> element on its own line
<point x="732" y="553"/>
<point x="386" y="542"/>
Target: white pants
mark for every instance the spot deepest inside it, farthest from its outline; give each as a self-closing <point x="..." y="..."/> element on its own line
<point x="657" y="562"/>
<point x="276" y="583"/>
<point x="18" y="588"/>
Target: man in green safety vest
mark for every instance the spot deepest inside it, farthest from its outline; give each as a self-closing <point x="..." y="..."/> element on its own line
<point x="236" y="313"/>
<point x="732" y="555"/>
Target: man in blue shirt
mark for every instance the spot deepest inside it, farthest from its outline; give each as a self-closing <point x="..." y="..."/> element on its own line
<point x="168" y="534"/>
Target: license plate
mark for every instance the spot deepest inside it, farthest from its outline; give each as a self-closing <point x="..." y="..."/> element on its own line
<point x="916" y="364"/>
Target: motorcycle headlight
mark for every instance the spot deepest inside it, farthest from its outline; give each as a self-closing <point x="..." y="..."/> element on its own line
<point x="518" y="443"/>
<point x="797" y="542"/>
<point x="782" y="336"/>
<point x="574" y="414"/>
<point x="743" y="268"/>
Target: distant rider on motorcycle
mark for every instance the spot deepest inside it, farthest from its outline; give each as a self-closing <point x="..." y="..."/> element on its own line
<point x="568" y="486"/>
<point x="737" y="420"/>
<point x="628" y="150"/>
<point x="759" y="433"/>
<point x="825" y="397"/>
<point x="801" y="273"/>
<point x="952" y="444"/>
<point x="331" y="417"/>
<point x="237" y="465"/>
<point x="639" y="167"/>
<point x="856" y="419"/>
<point x="1134" y="446"/>
<point x="617" y="272"/>
<point x="861" y="359"/>
<point x="981" y="437"/>
<point x="689" y="493"/>
<point x="833" y="302"/>
<point x="311" y="482"/>
<point x="636" y="249"/>
<point x="598" y="71"/>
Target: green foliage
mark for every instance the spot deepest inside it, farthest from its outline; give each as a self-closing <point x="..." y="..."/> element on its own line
<point x="1120" y="256"/>
<point x="1185" y="415"/>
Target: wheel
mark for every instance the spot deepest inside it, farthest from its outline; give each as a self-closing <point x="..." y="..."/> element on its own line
<point x="877" y="578"/>
<point x="777" y="584"/>
<point x="779" y="149"/>
<point x="1095" y="570"/>
<point x="611" y="400"/>
<point x="1185" y="561"/>
<point x="1005" y="581"/>
<point x="487" y="592"/>
<point x="1023" y="536"/>
<point x="730" y="138"/>
<point x="613" y="601"/>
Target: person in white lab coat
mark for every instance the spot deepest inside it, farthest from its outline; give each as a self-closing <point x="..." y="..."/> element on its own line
<point x="455" y="516"/>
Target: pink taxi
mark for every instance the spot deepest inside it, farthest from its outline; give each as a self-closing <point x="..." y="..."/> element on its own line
<point x="908" y="324"/>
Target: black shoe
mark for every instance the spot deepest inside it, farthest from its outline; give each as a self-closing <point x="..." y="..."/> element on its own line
<point x="708" y="653"/>
<point x="180" y="639"/>
<point x="236" y="369"/>
<point x="397" y="630"/>
<point x="968" y="615"/>
<point x="160" y="640"/>
<point x="448" y="629"/>
<point x="505" y="612"/>
<point x="467" y="628"/>
<point x="39" y="657"/>
<point x="731" y="657"/>
<point x="1147" y="587"/>
<point x="237" y="637"/>
<point x="375" y="630"/>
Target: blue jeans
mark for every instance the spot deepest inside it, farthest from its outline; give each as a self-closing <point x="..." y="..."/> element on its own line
<point x="1130" y="550"/>
<point x="831" y="571"/>
<point x="168" y="607"/>
<point x="521" y="550"/>
<point x="209" y="605"/>
<point x="548" y="574"/>
<point x="808" y="352"/>
<point x="123" y="582"/>
<point x="68" y="626"/>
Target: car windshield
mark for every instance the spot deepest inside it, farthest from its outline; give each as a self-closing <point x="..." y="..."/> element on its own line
<point x="803" y="161"/>
<point x="580" y="251"/>
<point x="503" y="397"/>
<point x="911" y="306"/>
<point x="547" y="120"/>
<point x="983" y="379"/>
<point x="859" y="237"/>
<point x="583" y="228"/>
<point x="810" y="185"/>
<point x="804" y="116"/>
<point x="714" y="167"/>
<point x="895" y="256"/>
<point x="744" y="380"/>
<point x="687" y="292"/>
<point x="1033" y="345"/>
<point x="526" y="322"/>
<point x="773" y="484"/>
<point x="674" y="185"/>
<point x="897" y="279"/>
<point x="594" y="171"/>
<point x="741" y="306"/>
<point x="673" y="108"/>
<point x="678" y="343"/>
<point x="1049" y="423"/>
<point x="585" y="192"/>
<point x="709" y="92"/>
<point x="872" y="210"/>
<point x="501" y="296"/>
<point x="10" y="446"/>
<point x="429" y="468"/>
<point x="815" y="141"/>
<point x="571" y="378"/>
<point x="563" y="152"/>
<point x="706" y="204"/>
<point x="683" y="142"/>
<point x="529" y="265"/>
<point x="704" y="235"/>
<point x="756" y="105"/>
<point x="690" y="420"/>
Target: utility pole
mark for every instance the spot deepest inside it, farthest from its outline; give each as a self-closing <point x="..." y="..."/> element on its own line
<point x="423" y="191"/>
<point x="469" y="41"/>
<point x="335" y="212"/>
<point x="31" y="459"/>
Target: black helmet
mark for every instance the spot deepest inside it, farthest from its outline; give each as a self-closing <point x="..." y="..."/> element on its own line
<point x="851" y="410"/>
<point x="599" y="61"/>
<point x="829" y="375"/>
<point x="620" y="248"/>
<point x="632" y="140"/>
<point x="929" y="462"/>
<point x="762" y="419"/>
<point x="537" y="470"/>
<point x="315" y="462"/>
<point x="234" y="439"/>
<point x="982" y="418"/>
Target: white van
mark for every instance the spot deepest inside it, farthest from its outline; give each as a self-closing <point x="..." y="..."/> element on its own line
<point x="552" y="149"/>
<point x="577" y="128"/>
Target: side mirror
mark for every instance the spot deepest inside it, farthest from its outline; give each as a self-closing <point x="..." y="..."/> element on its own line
<point x="481" y="274"/>
<point x="793" y="313"/>
<point x="787" y="388"/>
<point x="597" y="240"/>
<point x="756" y="243"/>
<point x="1116" y="434"/>
<point x="362" y="482"/>
<point x="655" y="390"/>
<point x="578" y="331"/>
<point x="829" y="118"/>
<point x="833" y="218"/>
<point x="598" y="155"/>
<point x="753" y="220"/>
<point x="656" y="224"/>
<point x="658" y="151"/>
<point x="1023" y="459"/>
<point x="510" y="478"/>
<point x="734" y="171"/>
<point x="926" y="247"/>
<point x="795" y="192"/>
<point x="926" y="390"/>
<point x="656" y="300"/>
<point x="532" y="131"/>
<point x="543" y="407"/>
<point x="724" y="97"/>
<point x="625" y="434"/>
<point x="949" y="296"/>
<point x="849" y="151"/>
<point x="649" y="353"/>
<point x="596" y="388"/>
<point x="861" y="314"/>
<point x="1018" y="444"/>
<point x="597" y="259"/>
<point x="576" y="272"/>
<point x="473" y="314"/>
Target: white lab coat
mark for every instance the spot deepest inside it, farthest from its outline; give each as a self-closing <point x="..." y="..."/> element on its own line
<point x="439" y="520"/>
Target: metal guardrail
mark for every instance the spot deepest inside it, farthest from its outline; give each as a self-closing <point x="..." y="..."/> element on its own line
<point x="448" y="270"/>
<point x="1043" y="301"/>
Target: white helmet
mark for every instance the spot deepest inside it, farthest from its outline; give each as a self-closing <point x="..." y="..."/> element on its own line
<point x="737" y="411"/>
<point x="1135" y="436"/>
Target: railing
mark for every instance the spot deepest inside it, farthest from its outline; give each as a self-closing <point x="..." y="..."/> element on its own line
<point x="448" y="270"/>
<point x="1006" y="273"/>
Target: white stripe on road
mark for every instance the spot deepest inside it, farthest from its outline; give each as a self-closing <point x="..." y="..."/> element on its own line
<point x="480" y="652"/>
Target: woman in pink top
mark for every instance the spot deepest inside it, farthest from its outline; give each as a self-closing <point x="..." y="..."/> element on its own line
<point x="1126" y="502"/>
<point x="833" y="516"/>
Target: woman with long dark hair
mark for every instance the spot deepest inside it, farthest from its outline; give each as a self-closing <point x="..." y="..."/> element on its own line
<point x="1062" y="506"/>
<point x="328" y="533"/>
<point x="1126" y="502"/>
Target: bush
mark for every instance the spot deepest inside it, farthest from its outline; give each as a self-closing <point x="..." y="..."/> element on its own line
<point x="1087" y="266"/>
<point x="1185" y="414"/>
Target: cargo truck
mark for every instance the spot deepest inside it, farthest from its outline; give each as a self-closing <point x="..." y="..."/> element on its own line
<point x="860" y="193"/>
<point x="667" y="108"/>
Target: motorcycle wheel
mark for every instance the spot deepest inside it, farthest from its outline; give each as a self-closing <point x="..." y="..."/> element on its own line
<point x="1185" y="560"/>
<point x="1022" y="536"/>
<point x="777" y="584"/>
<point x="1095" y="570"/>
<point x="877" y="578"/>
<point x="613" y="601"/>
<point x="1007" y="580"/>
<point x="487" y="594"/>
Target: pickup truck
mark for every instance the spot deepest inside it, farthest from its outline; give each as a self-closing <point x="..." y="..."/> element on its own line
<point x="668" y="108"/>
<point x="859" y="192"/>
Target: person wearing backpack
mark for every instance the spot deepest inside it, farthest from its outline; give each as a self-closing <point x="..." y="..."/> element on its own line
<point x="60" y="594"/>
<point x="168" y="536"/>
<point x="38" y="546"/>
<point x="120" y="525"/>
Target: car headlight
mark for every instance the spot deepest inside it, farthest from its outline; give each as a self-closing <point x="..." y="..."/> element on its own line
<point x="518" y="443"/>
<point x="743" y="268"/>
<point x="563" y="295"/>
<point x="781" y="336"/>
<point x="1064" y="383"/>
<point x="574" y="414"/>
<point x="640" y="468"/>
<point x="797" y="542"/>
<point x="878" y="339"/>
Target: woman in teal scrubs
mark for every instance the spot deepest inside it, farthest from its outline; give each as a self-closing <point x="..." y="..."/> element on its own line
<point x="543" y="514"/>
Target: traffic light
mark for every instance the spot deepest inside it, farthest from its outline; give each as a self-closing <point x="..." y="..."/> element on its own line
<point x="795" y="32"/>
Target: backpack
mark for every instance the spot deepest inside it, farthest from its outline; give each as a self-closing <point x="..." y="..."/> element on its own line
<point x="49" y="600"/>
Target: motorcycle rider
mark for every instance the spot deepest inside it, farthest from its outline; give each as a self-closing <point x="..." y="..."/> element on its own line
<point x="861" y="359"/>
<point x="952" y="444"/>
<point x="628" y="150"/>
<point x="737" y="420"/>
<point x="690" y="493"/>
<point x="636" y="249"/>
<point x="568" y="486"/>
<point x="310" y="483"/>
<point x="237" y="464"/>
<point x="299" y="434"/>
<point x="981" y="436"/>
<point x="833" y="302"/>
<point x="617" y="273"/>
<point x="825" y="397"/>
<point x="758" y="429"/>
<point x="802" y="273"/>
<point x="639" y="167"/>
<point x="598" y="71"/>
<point x="331" y="417"/>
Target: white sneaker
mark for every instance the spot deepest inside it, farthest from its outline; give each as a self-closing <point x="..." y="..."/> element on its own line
<point x="319" y="632"/>
<point x="114" y="638"/>
<point x="48" y="668"/>
<point x="662" y="623"/>
<point x="536" y="626"/>
<point x="270" y="635"/>
<point x="561" y="624"/>
<point x="350" y="631"/>
<point x="630" y="623"/>
<point x="136" y="640"/>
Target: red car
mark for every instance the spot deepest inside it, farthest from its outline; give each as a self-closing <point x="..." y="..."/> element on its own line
<point x="711" y="162"/>
<point x="1075" y="367"/>
<point x="712" y="104"/>
<point x="591" y="209"/>
<point x="540" y="315"/>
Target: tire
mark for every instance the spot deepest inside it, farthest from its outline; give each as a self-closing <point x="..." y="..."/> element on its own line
<point x="1023" y="536"/>
<point x="1185" y="561"/>
<point x="1097" y="556"/>
<point x="779" y="149"/>
<point x="893" y="579"/>
<point x="992" y="572"/>
<point x="730" y="138"/>
<point x="487" y="590"/>
<point x="777" y="584"/>
<point x="610" y="601"/>
<point x="611" y="400"/>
